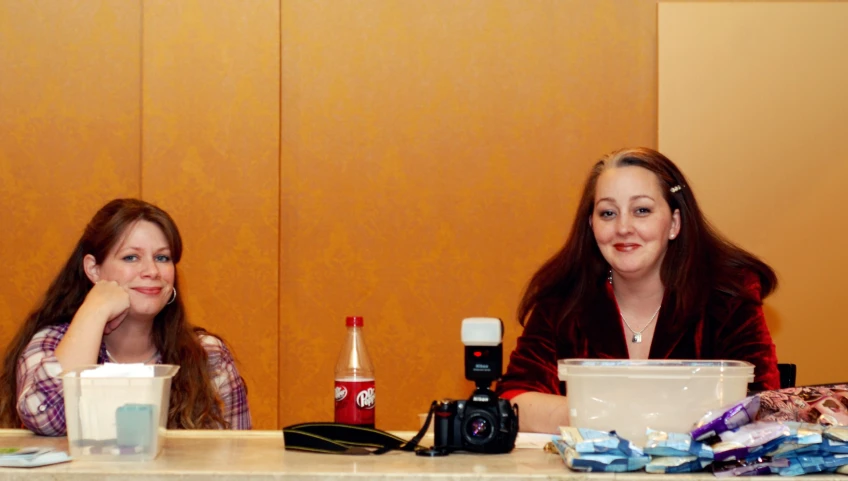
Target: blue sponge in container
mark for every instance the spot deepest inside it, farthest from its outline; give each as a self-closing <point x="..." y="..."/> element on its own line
<point x="135" y="426"/>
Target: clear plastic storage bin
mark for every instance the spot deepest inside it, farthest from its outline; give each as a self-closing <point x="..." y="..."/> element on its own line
<point x="117" y="418"/>
<point x="629" y="396"/>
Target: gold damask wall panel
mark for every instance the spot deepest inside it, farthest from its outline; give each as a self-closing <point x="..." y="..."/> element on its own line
<point x="210" y="157"/>
<point x="69" y="133"/>
<point x="432" y="155"/>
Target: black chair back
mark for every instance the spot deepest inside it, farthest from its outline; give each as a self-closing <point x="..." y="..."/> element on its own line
<point x="787" y="375"/>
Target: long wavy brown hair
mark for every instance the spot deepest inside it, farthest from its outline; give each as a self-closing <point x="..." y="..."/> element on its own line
<point x="697" y="263"/>
<point x="194" y="402"/>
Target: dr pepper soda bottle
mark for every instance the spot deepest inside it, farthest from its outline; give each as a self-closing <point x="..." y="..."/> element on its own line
<point x="354" y="378"/>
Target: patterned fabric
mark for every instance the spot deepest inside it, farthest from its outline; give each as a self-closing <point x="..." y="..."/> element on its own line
<point x="41" y="404"/>
<point x="228" y="383"/>
<point x="826" y="405"/>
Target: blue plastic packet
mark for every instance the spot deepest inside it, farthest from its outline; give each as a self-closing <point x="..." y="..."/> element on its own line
<point x="30" y="457"/>
<point x="607" y="463"/>
<point x="591" y="441"/>
<point x="814" y="464"/>
<point x="803" y="438"/>
<point x="676" y="464"/>
<point x="790" y="450"/>
<point x="835" y="440"/>
<point x="834" y="447"/>
<point x="717" y="422"/>
<point x="661" y="443"/>
<point x="837" y="433"/>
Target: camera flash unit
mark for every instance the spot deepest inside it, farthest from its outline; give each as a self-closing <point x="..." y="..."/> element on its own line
<point x="483" y="340"/>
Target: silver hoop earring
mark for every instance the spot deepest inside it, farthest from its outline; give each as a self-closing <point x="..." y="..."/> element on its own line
<point x="173" y="298"/>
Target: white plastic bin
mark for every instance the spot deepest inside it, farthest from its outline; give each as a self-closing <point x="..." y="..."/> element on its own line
<point x="629" y="396"/>
<point x="117" y="418"/>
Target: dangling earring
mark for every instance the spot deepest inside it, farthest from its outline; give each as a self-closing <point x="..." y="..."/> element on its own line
<point x="173" y="298"/>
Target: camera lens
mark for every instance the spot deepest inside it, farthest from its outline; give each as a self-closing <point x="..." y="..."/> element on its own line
<point x="478" y="428"/>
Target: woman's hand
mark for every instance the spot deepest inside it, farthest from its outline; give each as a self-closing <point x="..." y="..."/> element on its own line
<point x="111" y="301"/>
<point x="103" y="310"/>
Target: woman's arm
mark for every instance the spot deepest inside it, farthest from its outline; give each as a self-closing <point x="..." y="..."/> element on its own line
<point x="541" y="413"/>
<point x="228" y="383"/>
<point x="531" y="379"/>
<point x="40" y="402"/>
<point x="103" y="310"/>
<point x="745" y="336"/>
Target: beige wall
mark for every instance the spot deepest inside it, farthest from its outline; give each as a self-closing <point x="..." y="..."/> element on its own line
<point x="753" y="106"/>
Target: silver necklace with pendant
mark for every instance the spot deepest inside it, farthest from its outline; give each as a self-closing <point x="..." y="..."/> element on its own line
<point x="637" y="335"/>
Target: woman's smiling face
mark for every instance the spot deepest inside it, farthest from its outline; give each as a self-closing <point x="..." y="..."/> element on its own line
<point x="631" y="221"/>
<point x="141" y="263"/>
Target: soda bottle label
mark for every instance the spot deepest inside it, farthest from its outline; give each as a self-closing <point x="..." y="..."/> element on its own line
<point x="355" y="401"/>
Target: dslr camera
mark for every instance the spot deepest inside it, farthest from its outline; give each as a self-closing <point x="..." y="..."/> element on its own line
<point x="483" y="423"/>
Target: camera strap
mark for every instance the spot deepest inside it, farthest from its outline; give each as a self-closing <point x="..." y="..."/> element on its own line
<point x="335" y="438"/>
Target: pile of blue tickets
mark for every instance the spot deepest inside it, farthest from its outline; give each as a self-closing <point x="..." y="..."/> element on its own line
<point x="756" y="448"/>
<point x="599" y="451"/>
<point x="826" y="456"/>
<point x="676" y="453"/>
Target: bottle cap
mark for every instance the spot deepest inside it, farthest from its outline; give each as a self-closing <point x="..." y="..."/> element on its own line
<point x="354" y="321"/>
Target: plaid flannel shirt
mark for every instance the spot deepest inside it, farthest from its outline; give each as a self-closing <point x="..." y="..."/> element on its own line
<point x="41" y="404"/>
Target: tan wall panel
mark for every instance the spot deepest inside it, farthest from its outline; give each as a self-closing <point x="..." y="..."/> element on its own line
<point x="752" y="105"/>
<point x="432" y="153"/>
<point x="69" y="133"/>
<point x="211" y="147"/>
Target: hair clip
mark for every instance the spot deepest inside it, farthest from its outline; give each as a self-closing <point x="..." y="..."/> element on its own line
<point x="677" y="188"/>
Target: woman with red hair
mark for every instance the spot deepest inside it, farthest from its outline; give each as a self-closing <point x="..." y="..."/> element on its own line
<point x="641" y="276"/>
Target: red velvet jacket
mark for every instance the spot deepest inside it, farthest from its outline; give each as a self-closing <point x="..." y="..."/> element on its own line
<point x="732" y="328"/>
